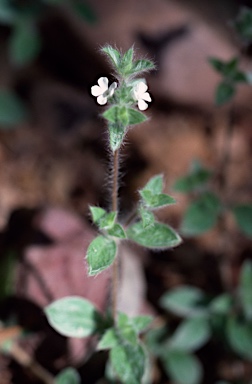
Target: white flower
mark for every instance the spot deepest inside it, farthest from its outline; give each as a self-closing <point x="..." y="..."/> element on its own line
<point x="141" y="95"/>
<point x="103" y="91"/>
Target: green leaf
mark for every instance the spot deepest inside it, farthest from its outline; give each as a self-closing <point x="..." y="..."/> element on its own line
<point x="157" y="236"/>
<point x="147" y="217"/>
<point x="97" y="213"/>
<point x="100" y="254"/>
<point x="113" y="54"/>
<point x="12" y="109"/>
<point x="191" y="334"/>
<point x="222" y="304"/>
<point x="154" y="185"/>
<point x="245" y="289"/>
<point x="183" y="301"/>
<point x="116" y="135"/>
<point x="25" y="43"/>
<point x="107" y="221"/>
<point x="243" y="217"/>
<point x="128" y="362"/>
<point x="224" y="93"/>
<point x="68" y="376"/>
<point x="141" y="66"/>
<point x="243" y="24"/>
<point x="239" y="334"/>
<point x="135" y="117"/>
<point x="117" y="231"/>
<point x="156" y="201"/>
<point x="73" y="316"/>
<point x="201" y="215"/>
<point x="226" y="68"/>
<point x="109" y="340"/>
<point x="197" y="179"/>
<point x="126" y="62"/>
<point x="182" y="367"/>
<point x="117" y="114"/>
<point x="140" y="323"/>
<point x="84" y="11"/>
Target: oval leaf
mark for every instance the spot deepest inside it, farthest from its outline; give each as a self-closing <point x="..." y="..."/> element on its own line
<point x="100" y="254"/>
<point x="68" y="376"/>
<point x="73" y="316"/>
<point x="183" y="301"/>
<point x="240" y="337"/>
<point x="156" y="236"/>
<point x="182" y="367"/>
<point x="191" y="334"/>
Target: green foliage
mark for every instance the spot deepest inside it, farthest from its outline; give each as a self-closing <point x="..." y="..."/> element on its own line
<point x="245" y="289"/>
<point x="182" y="367"/>
<point x="243" y="217"/>
<point x="243" y="24"/>
<point x="183" y="301"/>
<point x="191" y="334"/>
<point x="68" y="376"/>
<point x="12" y="109"/>
<point x="25" y="43"/>
<point x="231" y="77"/>
<point x="73" y="317"/>
<point x="147" y="217"/>
<point x="124" y="116"/>
<point x="125" y="64"/>
<point x="197" y="179"/>
<point x="152" y="194"/>
<point x="127" y="355"/>
<point x="239" y="334"/>
<point x="222" y="304"/>
<point x="201" y="215"/>
<point x="100" y="254"/>
<point x="156" y="236"/>
<point x="224" y="93"/>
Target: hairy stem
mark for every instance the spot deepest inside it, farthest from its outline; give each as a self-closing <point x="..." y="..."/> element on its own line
<point x="114" y="208"/>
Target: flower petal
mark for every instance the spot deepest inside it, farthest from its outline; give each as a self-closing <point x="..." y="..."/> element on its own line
<point x="142" y="105"/>
<point x="96" y="90"/>
<point x="101" y="100"/>
<point x="112" y="88"/>
<point x="141" y="88"/>
<point x="146" y="96"/>
<point x="103" y="83"/>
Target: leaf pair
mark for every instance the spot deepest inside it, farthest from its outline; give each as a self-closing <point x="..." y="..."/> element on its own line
<point x="231" y="77"/>
<point x="125" y="64"/>
<point x="127" y="355"/>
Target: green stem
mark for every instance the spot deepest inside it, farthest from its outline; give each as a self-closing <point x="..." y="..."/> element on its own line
<point x="114" y="208"/>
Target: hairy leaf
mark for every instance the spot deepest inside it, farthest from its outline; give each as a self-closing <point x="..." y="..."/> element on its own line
<point x="156" y="236"/>
<point x="100" y="254"/>
<point x="73" y="316"/>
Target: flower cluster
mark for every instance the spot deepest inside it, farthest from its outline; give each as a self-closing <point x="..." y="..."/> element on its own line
<point x="103" y="91"/>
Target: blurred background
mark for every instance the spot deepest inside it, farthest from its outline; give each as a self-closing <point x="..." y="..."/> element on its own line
<point x="54" y="159"/>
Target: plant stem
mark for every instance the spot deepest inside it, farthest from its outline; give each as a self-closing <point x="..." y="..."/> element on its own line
<point x="114" y="208"/>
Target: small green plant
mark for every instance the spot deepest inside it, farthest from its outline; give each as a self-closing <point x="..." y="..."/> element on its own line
<point x="207" y="206"/>
<point x="126" y="98"/>
<point x="226" y="319"/>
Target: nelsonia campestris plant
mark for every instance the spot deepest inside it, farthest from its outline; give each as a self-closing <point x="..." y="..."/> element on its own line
<point x="125" y="99"/>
